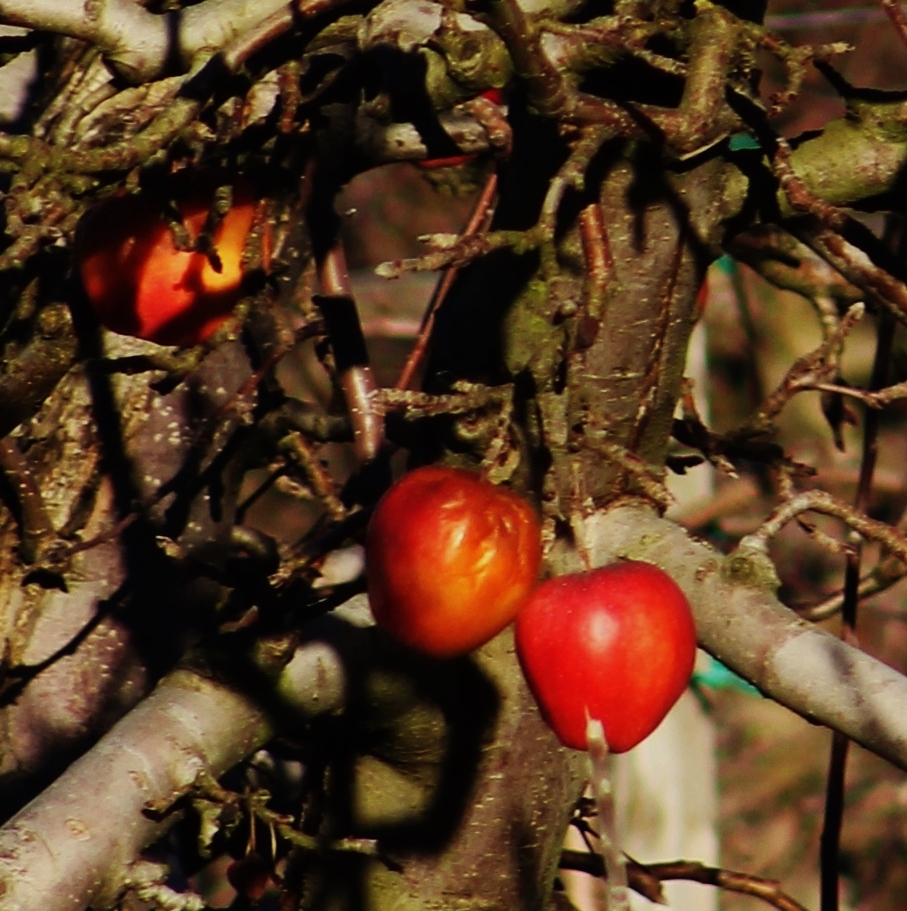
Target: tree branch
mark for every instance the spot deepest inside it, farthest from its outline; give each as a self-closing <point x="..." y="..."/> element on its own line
<point x="196" y="723"/>
<point x="141" y="45"/>
<point x="77" y="841"/>
<point x="740" y="621"/>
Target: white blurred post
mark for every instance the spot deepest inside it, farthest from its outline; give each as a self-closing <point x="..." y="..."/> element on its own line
<point x="665" y="789"/>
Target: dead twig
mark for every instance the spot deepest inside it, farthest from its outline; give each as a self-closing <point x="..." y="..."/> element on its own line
<point x="646" y="879"/>
<point x="824" y="503"/>
<point x="478" y="222"/>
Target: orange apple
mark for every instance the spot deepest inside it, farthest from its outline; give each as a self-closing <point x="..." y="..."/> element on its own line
<point x="139" y="284"/>
<point x="450" y="558"/>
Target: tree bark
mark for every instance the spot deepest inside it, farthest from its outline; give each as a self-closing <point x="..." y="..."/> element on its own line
<point x="92" y="608"/>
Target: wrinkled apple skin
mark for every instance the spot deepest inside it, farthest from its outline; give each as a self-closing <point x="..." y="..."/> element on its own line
<point x="450" y="558"/>
<point x="139" y="284"/>
<point x="616" y="644"/>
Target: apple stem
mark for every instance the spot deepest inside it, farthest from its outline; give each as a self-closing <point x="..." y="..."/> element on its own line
<point x="616" y="896"/>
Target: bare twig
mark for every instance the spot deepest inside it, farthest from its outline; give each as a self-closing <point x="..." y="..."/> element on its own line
<point x="830" y="839"/>
<point x="808" y="372"/>
<point x="768" y="890"/>
<point x="897" y="16"/>
<point x="881" y="577"/>
<point x="646" y="879"/>
<point x="478" y="222"/>
<point x="822" y="502"/>
<point x="465" y="398"/>
<point x="297" y="451"/>
<point x="877" y="399"/>
<point x="453" y="251"/>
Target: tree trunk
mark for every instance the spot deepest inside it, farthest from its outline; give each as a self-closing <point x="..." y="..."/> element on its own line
<point x="518" y="319"/>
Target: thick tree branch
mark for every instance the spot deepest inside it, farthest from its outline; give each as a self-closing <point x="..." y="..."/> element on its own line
<point x="143" y="45"/>
<point x="77" y="840"/>
<point x="856" y="158"/>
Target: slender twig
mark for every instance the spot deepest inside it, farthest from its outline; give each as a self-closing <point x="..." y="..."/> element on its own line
<point x="869" y="398"/>
<point x="822" y="502"/>
<point x="448" y="250"/>
<point x="466" y="397"/>
<point x="897" y="16"/>
<point x="807" y="372"/>
<point x="295" y="448"/>
<point x="478" y="221"/>
<point x="830" y="839"/>
<point x="880" y="578"/>
<point x="453" y="250"/>
<point x="646" y="879"/>
<point x="767" y="890"/>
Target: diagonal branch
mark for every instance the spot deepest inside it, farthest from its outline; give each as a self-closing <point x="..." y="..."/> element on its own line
<point x="741" y="622"/>
<point x="195" y="722"/>
<point x="141" y="44"/>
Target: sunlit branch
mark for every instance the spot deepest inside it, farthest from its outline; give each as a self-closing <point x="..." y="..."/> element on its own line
<point x="740" y="621"/>
<point x="194" y="723"/>
<point x="822" y="502"/>
<point x="140" y="44"/>
<point x="646" y="879"/>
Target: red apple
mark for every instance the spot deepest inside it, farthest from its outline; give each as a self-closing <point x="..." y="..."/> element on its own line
<point x="450" y="558"/>
<point x="616" y="644"/>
